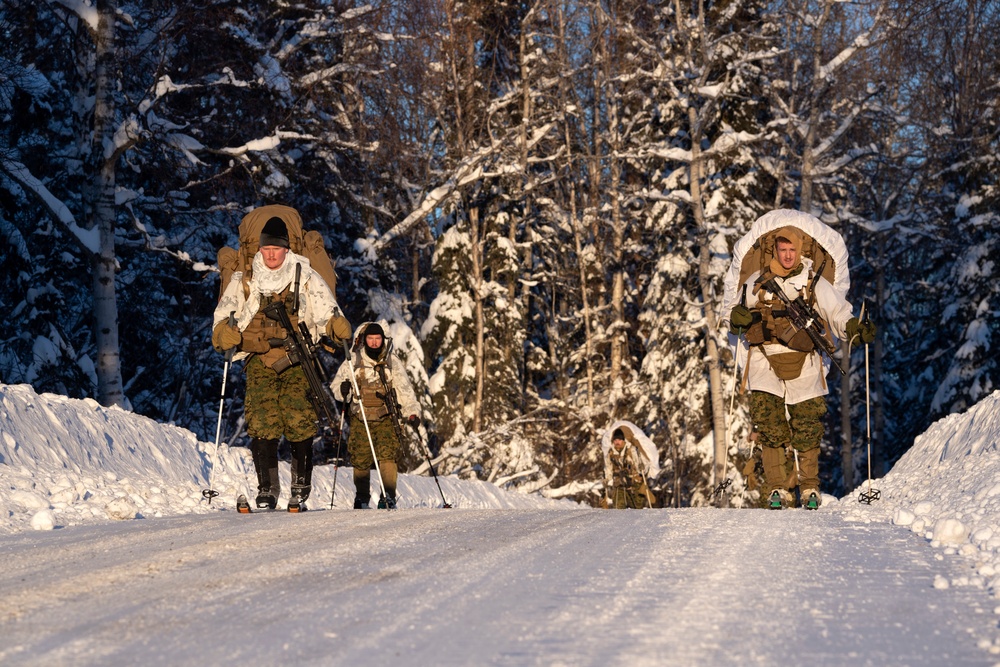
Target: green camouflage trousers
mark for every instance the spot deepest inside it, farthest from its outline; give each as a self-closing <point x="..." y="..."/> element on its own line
<point x="802" y="429"/>
<point x="625" y="498"/>
<point x="278" y="405"/>
<point x="383" y="436"/>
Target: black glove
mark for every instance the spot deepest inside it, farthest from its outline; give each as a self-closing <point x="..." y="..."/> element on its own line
<point x="740" y="319"/>
<point x="863" y="330"/>
<point x="345" y="389"/>
<point x="414" y="421"/>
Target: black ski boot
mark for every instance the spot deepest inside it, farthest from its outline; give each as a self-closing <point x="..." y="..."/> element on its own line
<point x="265" y="461"/>
<point x="361" y="502"/>
<point x="266" y="500"/>
<point x="387" y="503"/>
<point x="302" y="465"/>
<point x="297" y="501"/>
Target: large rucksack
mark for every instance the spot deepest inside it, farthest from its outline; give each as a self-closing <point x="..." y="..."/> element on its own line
<point x="308" y="244"/>
<point x="753" y="252"/>
<point x="762" y="252"/>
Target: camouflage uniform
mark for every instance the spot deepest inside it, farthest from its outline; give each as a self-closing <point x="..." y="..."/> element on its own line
<point x="625" y="472"/>
<point x="778" y="384"/>
<point x="368" y="374"/>
<point x="625" y="481"/>
<point x="277" y="400"/>
<point x="278" y="405"/>
<point x="802" y="431"/>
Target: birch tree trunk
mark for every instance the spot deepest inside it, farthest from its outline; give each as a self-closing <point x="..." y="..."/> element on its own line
<point x="578" y="228"/>
<point x="697" y="52"/>
<point x="477" y="297"/>
<point x="618" y="342"/>
<point x="705" y="280"/>
<point x="102" y="212"/>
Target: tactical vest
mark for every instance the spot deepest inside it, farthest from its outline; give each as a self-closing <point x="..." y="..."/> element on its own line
<point x="624" y="471"/>
<point x="265" y="337"/>
<point x="771" y="323"/>
<point x="370" y="386"/>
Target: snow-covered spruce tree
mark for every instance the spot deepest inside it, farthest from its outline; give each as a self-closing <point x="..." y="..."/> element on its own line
<point x="825" y="96"/>
<point x="49" y="340"/>
<point x="83" y="145"/>
<point x="704" y="74"/>
<point x="473" y="384"/>
<point x="480" y="148"/>
<point x="272" y="111"/>
<point x="965" y="149"/>
<point x="931" y="210"/>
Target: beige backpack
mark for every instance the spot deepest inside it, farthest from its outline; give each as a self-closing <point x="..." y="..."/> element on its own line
<point x="308" y="244"/>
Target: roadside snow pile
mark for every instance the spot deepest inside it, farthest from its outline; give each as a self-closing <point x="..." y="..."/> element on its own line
<point x="66" y="461"/>
<point x="947" y="489"/>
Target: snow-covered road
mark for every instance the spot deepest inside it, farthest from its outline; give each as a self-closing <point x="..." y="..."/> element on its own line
<point x="487" y="587"/>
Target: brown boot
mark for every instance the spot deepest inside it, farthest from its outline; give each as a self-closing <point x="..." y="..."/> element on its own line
<point x="773" y="460"/>
<point x="809" y="469"/>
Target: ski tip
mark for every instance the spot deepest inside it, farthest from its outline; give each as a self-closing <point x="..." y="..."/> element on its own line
<point x="243" y="505"/>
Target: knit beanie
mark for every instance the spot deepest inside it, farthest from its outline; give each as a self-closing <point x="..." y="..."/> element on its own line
<point x="274" y="233"/>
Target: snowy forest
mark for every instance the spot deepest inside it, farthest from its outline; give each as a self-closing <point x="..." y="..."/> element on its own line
<point x="540" y="198"/>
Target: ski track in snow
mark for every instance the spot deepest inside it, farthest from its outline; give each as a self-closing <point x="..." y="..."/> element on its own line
<point x="485" y="587"/>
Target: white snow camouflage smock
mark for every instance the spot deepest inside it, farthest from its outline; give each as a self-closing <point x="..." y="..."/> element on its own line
<point x="811" y="382"/>
<point x="317" y="303"/>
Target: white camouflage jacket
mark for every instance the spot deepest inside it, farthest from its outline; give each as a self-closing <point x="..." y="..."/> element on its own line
<point x="317" y="303"/>
<point x="365" y="373"/>
<point x="812" y="380"/>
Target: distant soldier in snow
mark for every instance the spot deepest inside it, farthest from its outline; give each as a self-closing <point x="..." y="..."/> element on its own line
<point x="377" y="372"/>
<point x="784" y="368"/>
<point x="277" y="400"/>
<point x="627" y="464"/>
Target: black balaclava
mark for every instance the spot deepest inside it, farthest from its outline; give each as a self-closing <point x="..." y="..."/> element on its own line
<point x="371" y="330"/>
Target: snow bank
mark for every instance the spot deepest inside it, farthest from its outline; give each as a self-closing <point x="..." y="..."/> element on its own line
<point x="947" y="489"/>
<point x="65" y="462"/>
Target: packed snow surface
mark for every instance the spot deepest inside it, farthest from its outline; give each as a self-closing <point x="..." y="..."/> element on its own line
<point x="112" y="557"/>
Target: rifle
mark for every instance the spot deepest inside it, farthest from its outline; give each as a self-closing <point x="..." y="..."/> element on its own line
<point x="392" y="402"/>
<point x="804" y="317"/>
<point x="301" y="349"/>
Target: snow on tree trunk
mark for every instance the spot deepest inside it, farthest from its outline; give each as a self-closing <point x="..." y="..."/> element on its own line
<point x="102" y="211"/>
<point x="618" y="342"/>
<point x="477" y="297"/>
<point x="706" y="280"/>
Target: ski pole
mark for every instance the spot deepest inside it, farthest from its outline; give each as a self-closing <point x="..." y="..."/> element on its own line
<point x="872" y="494"/>
<point x="340" y="448"/>
<point x="724" y="484"/>
<point x="210" y="492"/>
<point x="397" y="415"/>
<point x="427" y="453"/>
<point x="640" y="475"/>
<point x="364" y="419"/>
